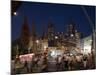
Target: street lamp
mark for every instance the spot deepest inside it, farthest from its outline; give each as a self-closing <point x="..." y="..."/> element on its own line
<point x="29" y="50"/>
<point x="45" y="47"/>
<point x="37" y="42"/>
<point x="17" y="49"/>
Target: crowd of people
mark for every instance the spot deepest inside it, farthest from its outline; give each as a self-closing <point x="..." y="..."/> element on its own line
<point x="38" y="61"/>
<point x="63" y="63"/>
<point x="75" y="62"/>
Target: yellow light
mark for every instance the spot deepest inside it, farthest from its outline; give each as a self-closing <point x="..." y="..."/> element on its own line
<point x="45" y="47"/>
<point x="56" y="37"/>
<point x="72" y="35"/>
<point x="37" y="41"/>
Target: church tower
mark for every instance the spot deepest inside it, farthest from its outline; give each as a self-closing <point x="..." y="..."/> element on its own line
<point x="71" y="32"/>
<point x="25" y="34"/>
<point x="34" y="37"/>
<point x="78" y="38"/>
<point x="71" y="29"/>
<point x="50" y="34"/>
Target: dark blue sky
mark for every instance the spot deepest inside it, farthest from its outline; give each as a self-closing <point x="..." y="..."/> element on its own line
<point x="59" y="14"/>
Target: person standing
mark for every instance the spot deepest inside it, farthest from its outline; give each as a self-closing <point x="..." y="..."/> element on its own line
<point x="26" y="66"/>
<point x="45" y="65"/>
<point x="65" y="63"/>
<point x="58" y="64"/>
<point x="85" y="61"/>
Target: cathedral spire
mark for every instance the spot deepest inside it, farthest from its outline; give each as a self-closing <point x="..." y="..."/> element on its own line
<point x="33" y="29"/>
<point x="71" y="28"/>
<point x="25" y="33"/>
<point x="25" y="27"/>
<point x="43" y="30"/>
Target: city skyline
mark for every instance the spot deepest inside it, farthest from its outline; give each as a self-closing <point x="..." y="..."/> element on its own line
<point x="60" y="15"/>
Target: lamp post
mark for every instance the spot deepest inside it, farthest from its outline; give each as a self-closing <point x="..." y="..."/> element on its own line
<point x="56" y="38"/>
<point x="37" y="42"/>
<point x="17" y="51"/>
<point x="29" y="50"/>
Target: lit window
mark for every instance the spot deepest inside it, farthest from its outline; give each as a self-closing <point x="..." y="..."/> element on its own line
<point x="56" y="37"/>
<point x="72" y="35"/>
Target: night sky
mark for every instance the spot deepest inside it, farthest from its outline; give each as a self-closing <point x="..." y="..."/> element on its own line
<point x="59" y="14"/>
